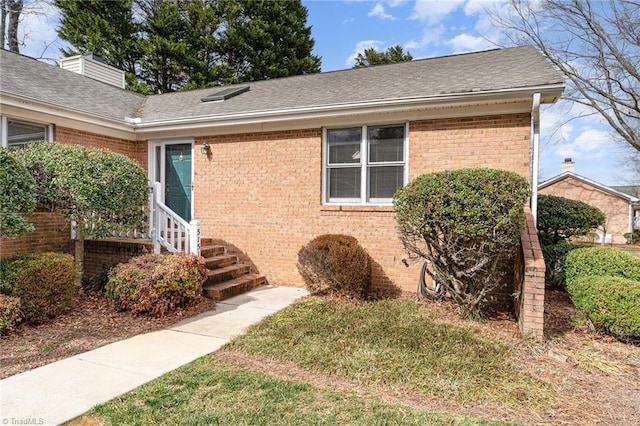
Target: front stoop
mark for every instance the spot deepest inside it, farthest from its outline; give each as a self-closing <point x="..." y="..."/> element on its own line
<point x="227" y="277"/>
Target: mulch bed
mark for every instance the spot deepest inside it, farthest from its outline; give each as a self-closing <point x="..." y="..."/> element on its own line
<point x="92" y="323"/>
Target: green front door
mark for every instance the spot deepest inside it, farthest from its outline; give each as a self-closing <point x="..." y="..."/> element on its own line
<point x="178" y="179"/>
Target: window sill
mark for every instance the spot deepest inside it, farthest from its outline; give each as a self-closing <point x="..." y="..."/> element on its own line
<point x="356" y="208"/>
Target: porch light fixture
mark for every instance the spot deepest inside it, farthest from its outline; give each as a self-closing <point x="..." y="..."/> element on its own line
<point x="204" y="149"/>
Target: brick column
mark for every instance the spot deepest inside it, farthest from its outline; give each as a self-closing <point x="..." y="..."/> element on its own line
<point x="530" y="282"/>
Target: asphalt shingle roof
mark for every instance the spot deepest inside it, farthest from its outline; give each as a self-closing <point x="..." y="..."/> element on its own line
<point x="29" y="78"/>
<point x="493" y="70"/>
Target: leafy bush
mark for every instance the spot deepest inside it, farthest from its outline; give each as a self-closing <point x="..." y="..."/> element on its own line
<point x="156" y="284"/>
<point x="467" y="223"/>
<point x="17" y="196"/>
<point x="98" y="190"/>
<point x="601" y="261"/>
<point x="554" y="258"/>
<point x="632" y="237"/>
<point x="44" y="282"/>
<point x="10" y="313"/>
<point x="612" y="303"/>
<point x="335" y="263"/>
<point x="560" y="218"/>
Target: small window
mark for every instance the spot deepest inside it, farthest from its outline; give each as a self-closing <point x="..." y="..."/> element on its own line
<point x="20" y="133"/>
<point x="364" y="165"/>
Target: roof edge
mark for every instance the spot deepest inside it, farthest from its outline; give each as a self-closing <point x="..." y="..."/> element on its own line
<point x="591" y="182"/>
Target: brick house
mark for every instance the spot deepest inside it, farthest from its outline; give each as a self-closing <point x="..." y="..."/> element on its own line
<point x="266" y="166"/>
<point x="618" y="203"/>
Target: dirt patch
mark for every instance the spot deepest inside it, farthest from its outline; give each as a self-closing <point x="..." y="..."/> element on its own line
<point x="93" y="323"/>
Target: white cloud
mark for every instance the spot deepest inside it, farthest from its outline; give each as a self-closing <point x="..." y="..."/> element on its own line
<point x="434" y="11"/>
<point x="468" y="43"/>
<point x="360" y="47"/>
<point x="589" y="144"/>
<point x="379" y="11"/>
<point x="479" y="6"/>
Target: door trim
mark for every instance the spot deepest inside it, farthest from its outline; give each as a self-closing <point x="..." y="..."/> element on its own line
<point x="153" y="161"/>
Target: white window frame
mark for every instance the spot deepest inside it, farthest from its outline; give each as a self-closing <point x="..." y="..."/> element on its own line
<point x="364" y="166"/>
<point x="4" y="129"/>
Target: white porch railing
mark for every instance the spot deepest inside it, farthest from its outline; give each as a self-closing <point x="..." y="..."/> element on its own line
<point x="165" y="228"/>
<point x="169" y="230"/>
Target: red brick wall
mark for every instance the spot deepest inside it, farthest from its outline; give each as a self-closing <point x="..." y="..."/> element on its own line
<point x="262" y="192"/>
<point x="52" y="234"/>
<point x="137" y="151"/>
<point x="529" y="281"/>
<point x="101" y="255"/>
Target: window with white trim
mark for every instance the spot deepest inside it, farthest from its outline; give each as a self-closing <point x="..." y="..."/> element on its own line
<point x="364" y="165"/>
<point x="18" y="133"/>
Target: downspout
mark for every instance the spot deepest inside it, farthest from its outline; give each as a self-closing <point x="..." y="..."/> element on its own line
<point x="535" y="156"/>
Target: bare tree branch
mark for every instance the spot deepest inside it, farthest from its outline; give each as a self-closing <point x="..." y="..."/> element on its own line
<point x="596" y="45"/>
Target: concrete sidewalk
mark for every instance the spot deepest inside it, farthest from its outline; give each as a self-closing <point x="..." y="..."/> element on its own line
<point x="65" y="389"/>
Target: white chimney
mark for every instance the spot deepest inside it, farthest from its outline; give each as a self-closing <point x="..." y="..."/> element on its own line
<point x="94" y="67"/>
<point x="568" y="165"/>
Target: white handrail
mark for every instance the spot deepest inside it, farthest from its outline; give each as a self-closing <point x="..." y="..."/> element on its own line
<point x="169" y="230"/>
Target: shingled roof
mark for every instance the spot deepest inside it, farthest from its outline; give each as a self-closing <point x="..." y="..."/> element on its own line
<point x="489" y="71"/>
<point x="29" y="79"/>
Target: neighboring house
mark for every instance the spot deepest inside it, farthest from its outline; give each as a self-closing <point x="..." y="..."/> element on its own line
<point x="617" y="202"/>
<point x="266" y="166"/>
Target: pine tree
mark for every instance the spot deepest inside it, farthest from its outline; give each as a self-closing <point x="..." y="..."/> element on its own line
<point x="267" y="39"/>
<point x="170" y="45"/>
<point x="372" y="57"/>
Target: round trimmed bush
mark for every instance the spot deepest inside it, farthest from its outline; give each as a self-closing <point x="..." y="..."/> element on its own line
<point x="611" y="303"/>
<point x="44" y="282"/>
<point x="335" y="263"/>
<point x="156" y="284"/>
<point x="601" y="261"/>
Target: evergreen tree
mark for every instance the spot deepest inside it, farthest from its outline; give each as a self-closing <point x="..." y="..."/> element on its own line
<point x="169" y="45"/>
<point x="372" y="57"/>
<point x="106" y="28"/>
<point x="267" y="39"/>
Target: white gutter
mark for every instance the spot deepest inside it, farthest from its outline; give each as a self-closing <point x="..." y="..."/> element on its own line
<point x="535" y="156"/>
<point x="449" y="100"/>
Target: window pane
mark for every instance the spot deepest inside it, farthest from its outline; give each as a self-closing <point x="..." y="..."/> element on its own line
<point x="386" y="144"/>
<point x="19" y="133"/>
<point x="344" y="145"/>
<point x="385" y="181"/>
<point x="344" y="183"/>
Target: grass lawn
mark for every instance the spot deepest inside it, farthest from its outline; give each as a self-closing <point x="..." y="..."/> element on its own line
<point x="393" y="346"/>
<point x="207" y="392"/>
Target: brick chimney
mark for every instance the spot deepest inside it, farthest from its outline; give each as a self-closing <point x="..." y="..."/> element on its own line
<point x="568" y="165"/>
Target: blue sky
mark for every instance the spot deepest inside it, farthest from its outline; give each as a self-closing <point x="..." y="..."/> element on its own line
<point x="427" y="28"/>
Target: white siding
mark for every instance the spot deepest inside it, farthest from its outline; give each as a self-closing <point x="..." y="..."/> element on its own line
<point x="94" y="69"/>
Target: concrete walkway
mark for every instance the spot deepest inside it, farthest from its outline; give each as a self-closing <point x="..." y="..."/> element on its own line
<point x="65" y="389"/>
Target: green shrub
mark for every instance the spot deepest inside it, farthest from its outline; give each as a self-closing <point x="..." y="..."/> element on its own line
<point x="601" y="261"/>
<point x="337" y="264"/>
<point x="44" y="282"/>
<point x="633" y="237"/>
<point x="156" y="284"/>
<point x="611" y="303"/>
<point x="10" y="313"/>
<point x="560" y="218"/>
<point x="467" y="224"/>
<point x="17" y="196"/>
<point x="554" y="258"/>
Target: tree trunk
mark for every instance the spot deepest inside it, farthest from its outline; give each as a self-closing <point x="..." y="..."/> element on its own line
<point x="15" y="8"/>
<point x="79" y="257"/>
<point x="3" y="22"/>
